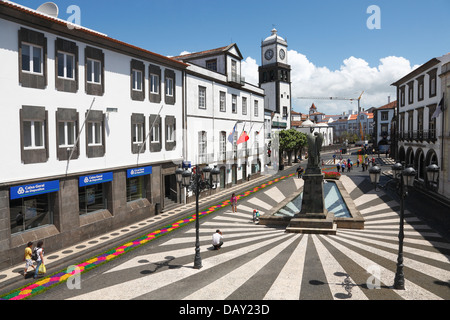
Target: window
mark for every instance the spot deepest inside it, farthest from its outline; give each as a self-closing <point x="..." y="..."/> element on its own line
<point x="67" y="133"/>
<point x="136" y="80"/>
<point x="223" y="146"/>
<point x="234" y="103"/>
<point x="170" y="133"/>
<point x="32" y="58"/>
<point x="432" y="75"/>
<point x="401" y="94"/>
<point x="66" y="65"/>
<point x="92" y="198"/>
<point x="138" y="133"/>
<point x="154" y="134"/>
<point x="154" y="83"/>
<point x="256" y="108"/>
<point x="223" y="101"/>
<point x="211" y="64"/>
<point x="431" y="123"/>
<point x="411" y="92"/>
<point x="93" y="72"/>
<point x="94" y="130"/>
<point x="169" y="87"/>
<point x="384" y="115"/>
<point x="33" y="134"/>
<point x="202" y="97"/>
<point x="31" y="212"/>
<point x="202" y="147"/>
<point x="244" y="105"/>
<point x="136" y="188"/>
<point x="32" y="55"/>
<point x="285" y="112"/>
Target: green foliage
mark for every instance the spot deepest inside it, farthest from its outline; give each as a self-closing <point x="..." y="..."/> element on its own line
<point x="292" y="139"/>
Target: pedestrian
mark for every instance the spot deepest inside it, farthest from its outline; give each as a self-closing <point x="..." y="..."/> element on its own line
<point x="27" y="258"/>
<point x="349" y="166"/>
<point x="299" y="171"/>
<point x="343" y="167"/>
<point x="233" y="202"/>
<point x="338" y="167"/>
<point x="217" y="239"/>
<point x="255" y="215"/>
<point x="40" y="257"/>
<point x="357" y="162"/>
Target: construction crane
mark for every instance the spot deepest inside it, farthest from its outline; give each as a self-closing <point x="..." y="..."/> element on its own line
<point x="361" y="134"/>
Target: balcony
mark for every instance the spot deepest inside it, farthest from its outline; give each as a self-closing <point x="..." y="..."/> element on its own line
<point x="236" y="79"/>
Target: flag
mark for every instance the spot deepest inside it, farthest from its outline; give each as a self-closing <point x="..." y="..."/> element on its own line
<point x="231" y="136"/>
<point x="438" y="109"/>
<point x="243" y="138"/>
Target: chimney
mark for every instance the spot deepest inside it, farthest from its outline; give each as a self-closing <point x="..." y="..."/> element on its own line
<point x="389" y="99"/>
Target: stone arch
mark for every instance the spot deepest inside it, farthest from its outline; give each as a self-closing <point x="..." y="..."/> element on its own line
<point x="419" y="163"/>
<point x="431" y="158"/>
<point x="401" y="154"/>
<point x="409" y="159"/>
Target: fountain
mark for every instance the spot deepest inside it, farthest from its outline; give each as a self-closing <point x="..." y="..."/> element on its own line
<point x="319" y="212"/>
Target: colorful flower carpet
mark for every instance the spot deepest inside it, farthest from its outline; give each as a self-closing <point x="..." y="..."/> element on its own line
<point x="62" y="276"/>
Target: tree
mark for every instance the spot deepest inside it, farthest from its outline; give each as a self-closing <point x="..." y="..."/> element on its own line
<point x="291" y="140"/>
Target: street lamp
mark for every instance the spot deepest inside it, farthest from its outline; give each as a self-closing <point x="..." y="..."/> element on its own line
<point x="433" y="173"/>
<point x="405" y="178"/>
<point x="196" y="182"/>
<point x="374" y="174"/>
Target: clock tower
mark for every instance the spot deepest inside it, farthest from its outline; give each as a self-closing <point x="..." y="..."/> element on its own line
<point x="275" y="79"/>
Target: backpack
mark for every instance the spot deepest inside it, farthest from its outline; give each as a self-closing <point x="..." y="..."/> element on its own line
<point x="34" y="255"/>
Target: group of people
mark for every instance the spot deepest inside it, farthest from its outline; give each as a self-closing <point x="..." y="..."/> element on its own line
<point x="346" y="164"/>
<point x="33" y="255"/>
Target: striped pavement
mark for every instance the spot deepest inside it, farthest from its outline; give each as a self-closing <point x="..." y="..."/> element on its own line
<point x="263" y="263"/>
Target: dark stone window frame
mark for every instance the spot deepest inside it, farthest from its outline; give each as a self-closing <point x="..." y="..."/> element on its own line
<point x="138" y="95"/>
<point x="402" y="97"/>
<point x="170" y="74"/>
<point x="154" y="97"/>
<point x="420" y="88"/>
<point x="411" y="92"/>
<point x="95" y="151"/>
<point x="28" y="79"/>
<point x="137" y="118"/>
<point x="66" y="115"/>
<point x="34" y="113"/>
<point x="170" y="121"/>
<point x="155" y="120"/>
<point x="94" y="54"/>
<point x="63" y="84"/>
<point x="432" y="75"/>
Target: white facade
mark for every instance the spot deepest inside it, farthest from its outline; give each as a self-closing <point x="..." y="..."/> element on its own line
<point x="215" y="104"/>
<point x="323" y="128"/>
<point x="420" y="140"/>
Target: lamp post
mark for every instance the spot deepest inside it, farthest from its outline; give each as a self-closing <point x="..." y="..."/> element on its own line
<point x="196" y="182"/>
<point x="433" y="174"/>
<point x="374" y="173"/>
<point x="405" y="179"/>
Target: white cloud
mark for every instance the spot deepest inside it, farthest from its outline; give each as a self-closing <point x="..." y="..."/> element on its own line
<point x="354" y="76"/>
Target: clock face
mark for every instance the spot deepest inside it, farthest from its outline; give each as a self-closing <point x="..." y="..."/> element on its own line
<point x="269" y="54"/>
<point x="282" y="54"/>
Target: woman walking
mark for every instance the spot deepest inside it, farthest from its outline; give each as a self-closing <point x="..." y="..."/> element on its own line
<point x="233" y="202"/>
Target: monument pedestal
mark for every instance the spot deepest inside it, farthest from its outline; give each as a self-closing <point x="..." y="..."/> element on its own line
<point x="313" y="217"/>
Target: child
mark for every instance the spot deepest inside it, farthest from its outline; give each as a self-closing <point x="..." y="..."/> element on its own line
<point x="233" y="202"/>
<point x="255" y="215"/>
<point x="27" y="259"/>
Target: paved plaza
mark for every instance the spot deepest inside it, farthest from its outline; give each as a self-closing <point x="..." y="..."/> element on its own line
<point x="259" y="262"/>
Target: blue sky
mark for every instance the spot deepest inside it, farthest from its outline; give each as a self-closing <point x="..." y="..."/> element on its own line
<point x="325" y="32"/>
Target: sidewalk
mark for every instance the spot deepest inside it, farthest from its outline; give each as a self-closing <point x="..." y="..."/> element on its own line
<point x="12" y="278"/>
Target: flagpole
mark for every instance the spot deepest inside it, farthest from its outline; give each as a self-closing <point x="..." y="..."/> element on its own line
<point x="148" y="134"/>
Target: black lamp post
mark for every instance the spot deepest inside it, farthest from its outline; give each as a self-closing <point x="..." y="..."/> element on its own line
<point x="433" y="173"/>
<point x="374" y="173"/>
<point x="196" y="182"/>
<point x="406" y="179"/>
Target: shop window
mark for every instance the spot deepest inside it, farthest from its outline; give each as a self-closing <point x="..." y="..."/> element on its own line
<point x="92" y="198"/>
<point x="136" y="188"/>
<point x="31" y="212"/>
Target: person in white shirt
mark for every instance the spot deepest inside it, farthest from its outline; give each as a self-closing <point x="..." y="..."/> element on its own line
<point x="217" y="239"/>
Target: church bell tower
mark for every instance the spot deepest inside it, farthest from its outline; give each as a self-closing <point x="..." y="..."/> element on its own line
<point x="275" y="79"/>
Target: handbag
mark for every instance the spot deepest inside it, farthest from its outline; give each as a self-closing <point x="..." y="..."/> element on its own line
<point x="42" y="269"/>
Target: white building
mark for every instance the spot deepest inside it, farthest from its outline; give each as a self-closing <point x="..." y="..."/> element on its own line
<point x="322" y="128"/>
<point x="420" y="96"/>
<point x="90" y="132"/>
<point x="383" y="130"/>
<point x="220" y="108"/>
<point x="444" y="181"/>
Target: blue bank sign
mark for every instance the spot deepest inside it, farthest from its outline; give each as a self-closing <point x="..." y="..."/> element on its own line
<point x="35" y="189"/>
<point x="95" y="179"/>
<point x="136" y="172"/>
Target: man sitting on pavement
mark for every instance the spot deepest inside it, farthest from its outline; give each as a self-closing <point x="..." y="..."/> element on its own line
<point x="217" y="239"/>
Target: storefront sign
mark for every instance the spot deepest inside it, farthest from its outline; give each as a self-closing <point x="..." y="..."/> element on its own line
<point x="186" y="164"/>
<point x="34" y="189"/>
<point x="95" y="179"/>
<point x="136" y="172"/>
